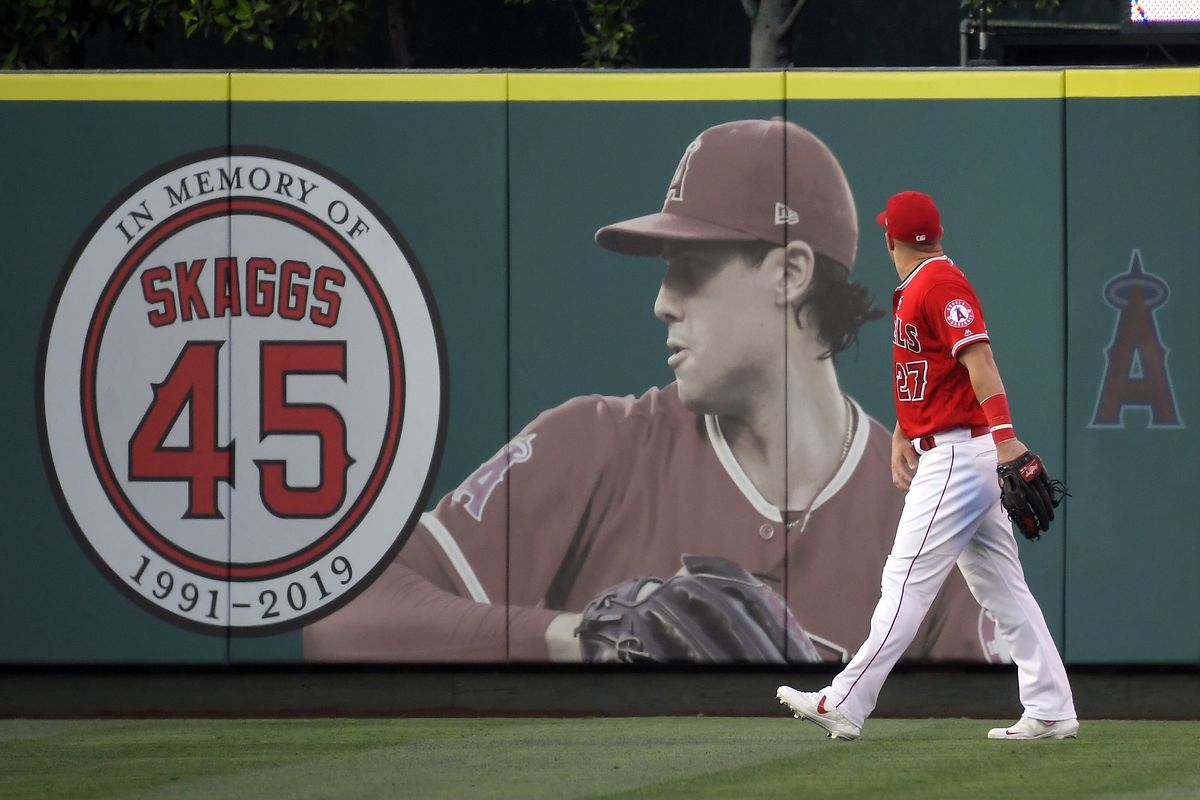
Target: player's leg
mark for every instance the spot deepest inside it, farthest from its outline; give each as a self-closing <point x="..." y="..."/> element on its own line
<point x="992" y="568"/>
<point x="941" y="510"/>
<point x="991" y="565"/>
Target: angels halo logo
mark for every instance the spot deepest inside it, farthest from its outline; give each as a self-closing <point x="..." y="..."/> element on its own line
<point x="959" y="313"/>
<point x="243" y="389"/>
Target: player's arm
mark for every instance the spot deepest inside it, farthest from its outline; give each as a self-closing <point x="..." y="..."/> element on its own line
<point x="407" y="616"/>
<point x="441" y="600"/>
<point x="583" y="459"/>
<point x="473" y="578"/>
<point x="904" y="460"/>
<point x="980" y="364"/>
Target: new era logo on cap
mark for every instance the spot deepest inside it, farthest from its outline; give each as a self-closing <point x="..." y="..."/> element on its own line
<point x="911" y="217"/>
<point x="785" y="216"/>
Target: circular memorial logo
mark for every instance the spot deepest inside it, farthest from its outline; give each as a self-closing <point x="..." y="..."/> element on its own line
<point x="243" y="390"/>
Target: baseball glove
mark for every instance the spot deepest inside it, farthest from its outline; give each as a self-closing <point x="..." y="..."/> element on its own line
<point x="1029" y="494"/>
<point x="712" y="611"/>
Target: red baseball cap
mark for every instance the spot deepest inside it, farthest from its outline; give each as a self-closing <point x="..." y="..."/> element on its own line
<point x="911" y="217"/>
<point x="749" y="180"/>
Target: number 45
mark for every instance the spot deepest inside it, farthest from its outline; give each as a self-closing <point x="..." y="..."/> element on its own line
<point x="203" y="464"/>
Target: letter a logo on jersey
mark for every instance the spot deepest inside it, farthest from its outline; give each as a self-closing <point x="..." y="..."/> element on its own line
<point x="476" y="490"/>
<point x="1136" y="374"/>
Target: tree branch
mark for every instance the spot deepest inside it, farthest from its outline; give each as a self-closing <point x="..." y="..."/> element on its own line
<point x="791" y="17"/>
<point x="398" y="34"/>
<point x="751" y="8"/>
<point x="583" y="28"/>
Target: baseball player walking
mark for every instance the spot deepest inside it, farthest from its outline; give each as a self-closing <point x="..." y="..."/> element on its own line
<point x="953" y="426"/>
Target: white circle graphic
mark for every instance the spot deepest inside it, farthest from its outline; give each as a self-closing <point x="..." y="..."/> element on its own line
<point x="243" y="390"/>
<point x="959" y="313"/>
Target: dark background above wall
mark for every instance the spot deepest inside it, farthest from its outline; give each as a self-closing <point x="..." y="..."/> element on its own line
<point x="480" y="34"/>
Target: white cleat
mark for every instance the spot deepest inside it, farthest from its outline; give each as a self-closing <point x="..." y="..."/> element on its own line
<point x="814" y="707"/>
<point x="1030" y="728"/>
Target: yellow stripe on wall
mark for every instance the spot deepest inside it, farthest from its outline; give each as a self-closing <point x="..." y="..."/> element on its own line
<point x="367" y="87"/>
<point x="1133" y="82"/>
<point x="615" y="86"/>
<point x="924" y="85"/>
<point x="109" y="86"/>
<point x="645" y="86"/>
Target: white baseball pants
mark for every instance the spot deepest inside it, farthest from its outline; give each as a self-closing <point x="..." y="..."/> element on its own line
<point x="952" y="514"/>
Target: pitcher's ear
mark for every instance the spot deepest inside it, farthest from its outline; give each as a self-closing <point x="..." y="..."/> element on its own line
<point x="796" y="273"/>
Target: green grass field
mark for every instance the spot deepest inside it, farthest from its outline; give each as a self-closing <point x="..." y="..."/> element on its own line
<point x="683" y="757"/>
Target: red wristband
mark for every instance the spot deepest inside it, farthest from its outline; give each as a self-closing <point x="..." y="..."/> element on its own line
<point x="995" y="408"/>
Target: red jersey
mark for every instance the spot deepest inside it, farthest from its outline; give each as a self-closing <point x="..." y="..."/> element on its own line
<point x="935" y="315"/>
<point x="604" y="489"/>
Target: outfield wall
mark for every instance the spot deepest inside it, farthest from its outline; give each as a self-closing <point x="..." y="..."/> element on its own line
<point x="233" y="394"/>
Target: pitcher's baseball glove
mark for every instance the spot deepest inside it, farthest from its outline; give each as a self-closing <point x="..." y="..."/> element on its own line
<point x="1029" y="494"/>
<point x="714" y="611"/>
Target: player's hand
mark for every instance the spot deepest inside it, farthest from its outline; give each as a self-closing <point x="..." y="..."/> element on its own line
<point x="1009" y="449"/>
<point x="1028" y="494"/>
<point x="904" y="463"/>
<point x="715" y="612"/>
<point x="561" y="641"/>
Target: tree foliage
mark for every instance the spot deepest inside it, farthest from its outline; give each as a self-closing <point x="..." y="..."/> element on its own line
<point x="611" y="34"/>
<point x="46" y="34"/>
<point x="323" y="23"/>
<point x="37" y="32"/>
<point x="608" y="27"/>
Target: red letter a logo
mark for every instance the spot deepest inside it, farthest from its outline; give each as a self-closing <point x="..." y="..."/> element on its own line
<point x="1136" y="375"/>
